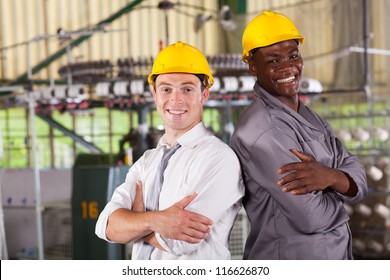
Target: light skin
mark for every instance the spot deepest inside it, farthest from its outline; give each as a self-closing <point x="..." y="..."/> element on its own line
<point x="179" y="99"/>
<point x="278" y="69"/>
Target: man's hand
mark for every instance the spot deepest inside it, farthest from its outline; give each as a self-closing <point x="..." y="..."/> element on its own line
<point x="306" y="176"/>
<point x="175" y="222"/>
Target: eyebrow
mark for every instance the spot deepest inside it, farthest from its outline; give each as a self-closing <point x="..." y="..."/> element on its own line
<point x="188" y="83"/>
<point x="275" y="54"/>
<point x="182" y="84"/>
<point x="164" y="84"/>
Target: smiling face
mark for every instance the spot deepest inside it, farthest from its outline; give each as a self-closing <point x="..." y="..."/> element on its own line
<point x="179" y="99"/>
<point x="278" y="68"/>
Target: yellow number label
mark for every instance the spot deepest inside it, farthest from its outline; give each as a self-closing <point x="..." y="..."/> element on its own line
<point x="89" y="210"/>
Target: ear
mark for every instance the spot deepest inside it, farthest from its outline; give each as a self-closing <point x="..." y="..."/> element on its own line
<point x="205" y="95"/>
<point x="252" y="68"/>
<point x="154" y="93"/>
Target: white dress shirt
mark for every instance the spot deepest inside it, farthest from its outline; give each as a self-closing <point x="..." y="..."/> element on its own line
<point x="203" y="164"/>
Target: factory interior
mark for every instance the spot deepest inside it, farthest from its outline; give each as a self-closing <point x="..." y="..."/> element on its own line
<point x="76" y="109"/>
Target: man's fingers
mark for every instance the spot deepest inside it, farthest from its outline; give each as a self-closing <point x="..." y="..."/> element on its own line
<point x="289" y="178"/>
<point x="290" y="167"/>
<point x="301" y="156"/>
<point x="201" y="225"/>
<point x="196" y="233"/>
<point x="185" y="201"/>
<point x="189" y="239"/>
<point x="179" y="223"/>
<point x="305" y="158"/>
<point x="138" y="200"/>
<point x="296" y="184"/>
<point x="296" y="166"/>
<point x="200" y="220"/>
<point x="194" y="220"/>
<point x="193" y="216"/>
<point x="139" y="187"/>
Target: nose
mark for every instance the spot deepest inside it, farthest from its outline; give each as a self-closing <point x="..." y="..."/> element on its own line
<point x="176" y="97"/>
<point x="286" y="65"/>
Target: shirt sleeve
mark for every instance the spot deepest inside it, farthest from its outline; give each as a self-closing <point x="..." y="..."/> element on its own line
<point x="123" y="197"/>
<point x="318" y="211"/>
<point x="350" y="165"/>
<point x="218" y="183"/>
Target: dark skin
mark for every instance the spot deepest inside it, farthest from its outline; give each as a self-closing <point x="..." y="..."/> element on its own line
<point x="278" y="69"/>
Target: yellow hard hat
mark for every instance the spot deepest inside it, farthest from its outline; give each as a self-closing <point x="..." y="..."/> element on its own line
<point x="266" y="29"/>
<point x="181" y="58"/>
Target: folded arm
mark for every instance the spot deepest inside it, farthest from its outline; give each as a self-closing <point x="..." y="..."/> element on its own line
<point x="309" y="213"/>
<point x="219" y="189"/>
<point x="310" y="175"/>
<point x="126" y="225"/>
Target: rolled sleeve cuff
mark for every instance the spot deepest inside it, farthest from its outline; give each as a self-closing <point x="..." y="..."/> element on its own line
<point x="101" y="224"/>
<point x="361" y="185"/>
<point x="165" y="243"/>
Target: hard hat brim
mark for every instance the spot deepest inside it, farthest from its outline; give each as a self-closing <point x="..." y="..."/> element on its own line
<point x="246" y="54"/>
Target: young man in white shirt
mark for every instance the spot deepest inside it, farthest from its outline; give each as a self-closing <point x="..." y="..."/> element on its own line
<point x="202" y="187"/>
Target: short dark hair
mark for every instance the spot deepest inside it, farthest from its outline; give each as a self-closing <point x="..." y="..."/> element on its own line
<point x="154" y="78"/>
<point x="202" y="78"/>
<point x="252" y="52"/>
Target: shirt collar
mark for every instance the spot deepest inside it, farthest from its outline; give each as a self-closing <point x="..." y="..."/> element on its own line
<point x="303" y="115"/>
<point x="191" y="138"/>
<point x="269" y="99"/>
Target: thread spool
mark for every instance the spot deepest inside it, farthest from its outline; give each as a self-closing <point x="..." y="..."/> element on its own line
<point x="375" y="246"/>
<point x="47" y="93"/>
<point x="246" y="83"/>
<point x="386" y="171"/>
<point x="358" y="244"/>
<point x="75" y="91"/>
<point x="121" y="88"/>
<point x="137" y="87"/>
<point x="383" y="161"/>
<point x="360" y="134"/>
<point x="230" y="84"/>
<point x="382" y="210"/>
<point x="374" y="172"/>
<point x="309" y="85"/>
<point x="143" y="128"/>
<point x="363" y="210"/>
<point x="103" y="89"/>
<point x="229" y="128"/>
<point x="59" y="92"/>
<point x="217" y="85"/>
<point x="349" y="209"/>
<point x="344" y="135"/>
<point x="381" y="133"/>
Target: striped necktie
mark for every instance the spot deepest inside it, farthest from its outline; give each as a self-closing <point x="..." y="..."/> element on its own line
<point x="152" y="202"/>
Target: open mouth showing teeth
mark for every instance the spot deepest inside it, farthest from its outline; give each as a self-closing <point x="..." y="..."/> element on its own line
<point x="286" y="80"/>
<point x="176" y="112"/>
